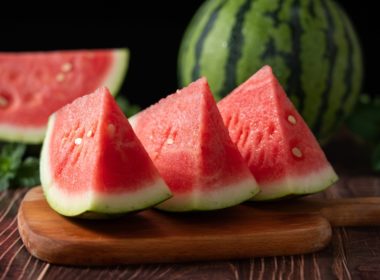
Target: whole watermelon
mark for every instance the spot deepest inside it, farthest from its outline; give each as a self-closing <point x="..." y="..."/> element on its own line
<point x="310" y="44"/>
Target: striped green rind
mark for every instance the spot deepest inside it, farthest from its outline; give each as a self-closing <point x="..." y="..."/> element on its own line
<point x="310" y="44"/>
<point x="197" y="27"/>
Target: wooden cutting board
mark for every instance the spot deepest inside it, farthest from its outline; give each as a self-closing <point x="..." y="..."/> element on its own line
<point x="150" y="236"/>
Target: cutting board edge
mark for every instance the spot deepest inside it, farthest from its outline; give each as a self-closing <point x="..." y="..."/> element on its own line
<point x="63" y="251"/>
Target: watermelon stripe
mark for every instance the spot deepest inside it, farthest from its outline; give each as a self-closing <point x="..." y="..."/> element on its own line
<point x="331" y="54"/>
<point x="311" y="45"/>
<point x="200" y="43"/>
<point x="311" y="8"/>
<point x="313" y="54"/>
<point x="348" y="74"/>
<point x="236" y="42"/>
<point x="187" y="52"/>
<point x="275" y="14"/>
<point x="293" y="59"/>
<point x="270" y="50"/>
<point x="357" y="69"/>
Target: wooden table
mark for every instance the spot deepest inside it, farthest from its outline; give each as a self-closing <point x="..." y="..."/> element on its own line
<point x="354" y="253"/>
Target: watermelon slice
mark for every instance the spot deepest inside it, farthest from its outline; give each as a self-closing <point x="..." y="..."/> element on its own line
<point x="92" y="162"/>
<point x="34" y="85"/>
<point x="278" y="146"/>
<point x="185" y="137"/>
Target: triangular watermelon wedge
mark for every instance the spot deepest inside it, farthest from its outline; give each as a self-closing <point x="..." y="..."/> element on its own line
<point x="185" y="136"/>
<point x="278" y="146"/>
<point x="92" y="162"/>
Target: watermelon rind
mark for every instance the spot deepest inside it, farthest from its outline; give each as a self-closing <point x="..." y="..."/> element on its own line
<point x="22" y="134"/>
<point x="91" y="204"/>
<point x="35" y="135"/>
<point x="313" y="182"/>
<point x="221" y="198"/>
<point x="115" y="78"/>
<point x="225" y="197"/>
<point x="312" y="46"/>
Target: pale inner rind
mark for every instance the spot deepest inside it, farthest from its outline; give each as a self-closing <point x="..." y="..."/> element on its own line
<point x="35" y="135"/>
<point x="22" y="134"/>
<point x="116" y="203"/>
<point x="73" y="205"/>
<point x="114" y="78"/>
<point x="311" y="183"/>
<point x="219" y="198"/>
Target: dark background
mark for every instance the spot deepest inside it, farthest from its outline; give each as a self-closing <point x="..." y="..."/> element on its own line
<point x="151" y="30"/>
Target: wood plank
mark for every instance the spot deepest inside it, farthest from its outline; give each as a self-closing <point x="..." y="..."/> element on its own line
<point x="361" y="247"/>
<point x="153" y="236"/>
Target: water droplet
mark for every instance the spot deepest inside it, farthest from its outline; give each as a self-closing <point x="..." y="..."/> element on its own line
<point x="292" y="119"/>
<point x="60" y="77"/>
<point x="66" y="67"/>
<point x="78" y="141"/>
<point x="297" y="152"/>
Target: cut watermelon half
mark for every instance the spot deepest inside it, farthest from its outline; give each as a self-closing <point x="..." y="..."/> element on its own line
<point x="278" y="146"/>
<point x="92" y="162"/>
<point x="185" y="137"/>
<point x="34" y="85"/>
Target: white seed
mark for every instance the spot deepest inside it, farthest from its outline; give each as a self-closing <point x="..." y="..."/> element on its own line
<point x="60" y="77"/>
<point x="3" y="101"/>
<point x="66" y="67"/>
<point x="78" y="141"/>
<point x="170" y="141"/>
<point x="292" y="119"/>
<point x="297" y="152"/>
<point x="89" y="133"/>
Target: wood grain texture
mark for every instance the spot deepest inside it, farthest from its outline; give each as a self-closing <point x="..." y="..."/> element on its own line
<point x="356" y="211"/>
<point x="153" y="236"/>
<point x="354" y="253"/>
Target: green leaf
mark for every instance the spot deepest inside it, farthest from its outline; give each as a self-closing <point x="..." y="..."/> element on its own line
<point x="10" y="159"/>
<point x="365" y="120"/>
<point x="28" y="174"/>
<point x="127" y="108"/>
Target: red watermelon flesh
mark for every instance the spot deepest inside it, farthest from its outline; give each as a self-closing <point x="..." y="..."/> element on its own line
<point x="93" y="162"/>
<point x="34" y="85"/>
<point x="185" y="136"/>
<point x="278" y="146"/>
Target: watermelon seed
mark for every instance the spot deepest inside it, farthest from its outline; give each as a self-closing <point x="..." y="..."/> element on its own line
<point x="170" y="141"/>
<point x="292" y="119"/>
<point x="297" y="152"/>
<point x="78" y="141"/>
<point x="89" y="133"/>
<point x="66" y="67"/>
<point x="3" y="101"/>
<point x="60" y="77"/>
